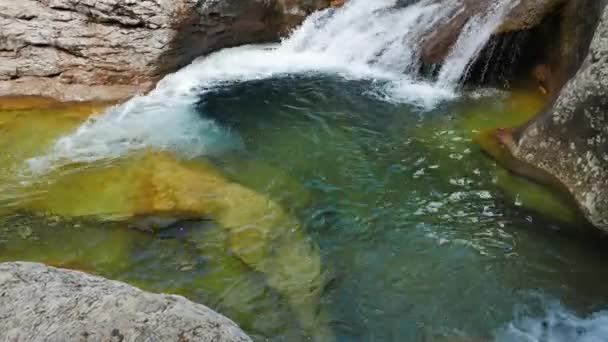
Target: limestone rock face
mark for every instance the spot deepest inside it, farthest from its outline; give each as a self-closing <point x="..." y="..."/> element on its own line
<point x="111" y="49"/>
<point x="41" y="303"/>
<point x="570" y="140"/>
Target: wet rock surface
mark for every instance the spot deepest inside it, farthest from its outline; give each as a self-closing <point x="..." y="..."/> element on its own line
<point x="570" y="140"/>
<point x="41" y="303"/>
<point x="113" y="49"/>
<point x="526" y="15"/>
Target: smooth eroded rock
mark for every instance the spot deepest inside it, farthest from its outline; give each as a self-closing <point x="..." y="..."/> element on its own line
<point x="41" y="303"/>
<point x="113" y="49"/>
<point x="570" y="139"/>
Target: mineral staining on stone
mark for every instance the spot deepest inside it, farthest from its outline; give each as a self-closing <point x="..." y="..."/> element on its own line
<point x="150" y="190"/>
<point x="477" y="121"/>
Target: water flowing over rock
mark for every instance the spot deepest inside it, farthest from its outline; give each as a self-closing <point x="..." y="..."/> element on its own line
<point x="570" y="140"/>
<point x="361" y="40"/>
<point x="41" y="303"/>
<point x="111" y="49"/>
<point x="523" y="15"/>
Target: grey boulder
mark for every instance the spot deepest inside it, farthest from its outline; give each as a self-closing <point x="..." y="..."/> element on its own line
<point x="42" y="303"/>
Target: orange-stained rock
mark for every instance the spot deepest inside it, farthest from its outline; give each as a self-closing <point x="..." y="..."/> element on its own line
<point x="155" y="189"/>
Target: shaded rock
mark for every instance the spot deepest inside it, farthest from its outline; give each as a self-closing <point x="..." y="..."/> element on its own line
<point x="540" y="42"/>
<point x="526" y="15"/>
<point x="111" y="49"/>
<point x="41" y="303"/>
<point x="557" y="47"/>
<point x="570" y="139"/>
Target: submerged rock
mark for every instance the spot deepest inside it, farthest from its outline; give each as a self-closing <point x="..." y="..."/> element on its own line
<point x="528" y="186"/>
<point x="41" y="303"/>
<point x="157" y="189"/>
<point x="110" y="49"/>
<point x="570" y="139"/>
<point x="149" y="191"/>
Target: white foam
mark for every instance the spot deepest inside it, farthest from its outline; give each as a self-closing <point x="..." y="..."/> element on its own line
<point x="370" y="40"/>
<point x="474" y="36"/>
<point x="557" y="325"/>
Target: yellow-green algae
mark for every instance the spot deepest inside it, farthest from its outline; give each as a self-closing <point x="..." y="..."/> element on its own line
<point x="83" y="246"/>
<point x="548" y="198"/>
<point x="260" y="234"/>
<point x="477" y="121"/>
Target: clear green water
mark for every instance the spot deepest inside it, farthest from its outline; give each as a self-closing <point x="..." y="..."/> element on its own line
<point x="421" y="236"/>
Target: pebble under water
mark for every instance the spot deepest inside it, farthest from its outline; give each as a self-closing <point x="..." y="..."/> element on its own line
<point x="422" y="237"/>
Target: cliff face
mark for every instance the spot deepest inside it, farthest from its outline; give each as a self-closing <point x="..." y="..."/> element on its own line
<point x="112" y="49"/>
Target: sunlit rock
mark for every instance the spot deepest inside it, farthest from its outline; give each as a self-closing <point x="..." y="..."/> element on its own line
<point x="108" y="49"/>
<point x="42" y="303"/>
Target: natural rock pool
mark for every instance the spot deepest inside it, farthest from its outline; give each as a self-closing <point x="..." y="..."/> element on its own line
<point x="386" y="221"/>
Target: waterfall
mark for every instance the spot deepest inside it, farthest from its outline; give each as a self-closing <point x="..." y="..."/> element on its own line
<point x="474" y="36"/>
<point x="375" y="40"/>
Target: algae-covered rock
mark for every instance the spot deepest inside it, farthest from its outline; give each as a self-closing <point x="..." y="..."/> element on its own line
<point x="529" y="187"/>
<point x="541" y="199"/>
<point x="151" y="190"/>
<point x="476" y="121"/>
<point x="526" y="186"/>
<point x="156" y="188"/>
<point x="78" y="245"/>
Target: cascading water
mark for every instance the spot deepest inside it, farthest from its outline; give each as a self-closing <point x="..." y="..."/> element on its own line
<point x="473" y="38"/>
<point x="365" y="40"/>
<point x="377" y="41"/>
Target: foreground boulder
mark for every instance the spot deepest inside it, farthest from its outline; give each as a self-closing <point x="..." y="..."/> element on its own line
<point x="569" y="141"/>
<point x="41" y="303"/>
<point x="112" y="49"/>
